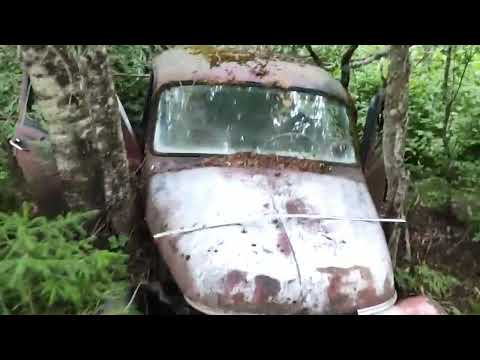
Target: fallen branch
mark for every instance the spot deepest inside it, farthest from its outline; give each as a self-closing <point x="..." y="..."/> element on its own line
<point x="134" y="295"/>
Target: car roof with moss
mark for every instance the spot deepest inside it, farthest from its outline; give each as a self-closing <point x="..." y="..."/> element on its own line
<point x="215" y="65"/>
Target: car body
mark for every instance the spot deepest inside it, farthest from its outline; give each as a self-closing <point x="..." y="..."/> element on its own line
<point x="254" y="192"/>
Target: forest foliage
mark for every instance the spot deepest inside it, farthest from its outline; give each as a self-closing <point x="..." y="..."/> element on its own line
<point x="55" y="267"/>
<point x="442" y="156"/>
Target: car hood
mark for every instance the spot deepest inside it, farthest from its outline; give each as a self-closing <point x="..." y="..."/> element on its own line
<point x="265" y="265"/>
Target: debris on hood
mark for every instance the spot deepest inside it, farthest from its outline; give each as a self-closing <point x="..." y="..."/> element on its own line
<point x="253" y="160"/>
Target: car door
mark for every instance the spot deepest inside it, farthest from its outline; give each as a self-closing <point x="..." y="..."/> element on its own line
<point x="34" y="153"/>
<point x="371" y="151"/>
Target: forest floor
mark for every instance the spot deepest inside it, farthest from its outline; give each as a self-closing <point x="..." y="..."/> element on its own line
<point x="442" y="245"/>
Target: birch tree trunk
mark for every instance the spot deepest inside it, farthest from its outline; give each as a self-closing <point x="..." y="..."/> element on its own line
<point x="394" y="136"/>
<point x="57" y="85"/>
<point x="76" y="96"/>
<point x="109" y="143"/>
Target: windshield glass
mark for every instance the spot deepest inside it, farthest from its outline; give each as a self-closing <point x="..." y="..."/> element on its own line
<point x="227" y="119"/>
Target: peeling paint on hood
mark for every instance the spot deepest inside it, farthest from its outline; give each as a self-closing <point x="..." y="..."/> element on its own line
<point x="283" y="266"/>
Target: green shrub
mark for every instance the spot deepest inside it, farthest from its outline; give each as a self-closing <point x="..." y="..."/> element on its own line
<point x="127" y="61"/>
<point x="423" y="279"/>
<point x="433" y="193"/>
<point x="10" y="76"/>
<point x="52" y="266"/>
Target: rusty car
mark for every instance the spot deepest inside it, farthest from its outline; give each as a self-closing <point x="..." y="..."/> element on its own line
<point x="258" y="194"/>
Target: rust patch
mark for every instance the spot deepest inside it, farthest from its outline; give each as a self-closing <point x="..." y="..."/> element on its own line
<point x="159" y="164"/>
<point x="283" y="244"/>
<point x="238" y="298"/>
<point x="341" y="301"/>
<point x="265" y="288"/>
<point x="253" y="160"/>
<point x="232" y="279"/>
<point x="368" y="296"/>
<point x="296" y="206"/>
<point x="259" y="69"/>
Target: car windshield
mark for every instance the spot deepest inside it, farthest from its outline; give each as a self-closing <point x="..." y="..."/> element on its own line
<point x="228" y="119"/>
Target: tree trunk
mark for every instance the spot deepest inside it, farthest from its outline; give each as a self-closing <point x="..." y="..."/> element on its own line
<point x="345" y="65"/>
<point x="446" y="100"/>
<point x="394" y="136"/>
<point x="57" y="85"/>
<point x="109" y="143"/>
<point x="79" y="104"/>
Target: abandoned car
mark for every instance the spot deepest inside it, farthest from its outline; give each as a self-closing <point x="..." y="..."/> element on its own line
<point x="256" y="194"/>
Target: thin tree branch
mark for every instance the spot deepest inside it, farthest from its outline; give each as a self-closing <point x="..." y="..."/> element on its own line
<point x="446" y="74"/>
<point x="448" y="107"/>
<point x="448" y="104"/>
<point x="345" y="65"/>
<point x="133" y="296"/>
<point x="425" y="55"/>
<point x="469" y="59"/>
<point x="314" y="56"/>
<point x="369" y="59"/>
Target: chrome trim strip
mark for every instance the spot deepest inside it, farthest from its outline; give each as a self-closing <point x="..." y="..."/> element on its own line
<point x="125" y="117"/>
<point x="272" y="216"/>
<point x="372" y="310"/>
<point x="208" y="311"/>
<point x="376" y="309"/>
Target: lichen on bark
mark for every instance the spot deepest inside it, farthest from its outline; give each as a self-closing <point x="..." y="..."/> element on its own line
<point x="76" y="95"/>
<point x="104" y="111"/>
<point x="394" y="136"/>
<point x="56" y="82"/>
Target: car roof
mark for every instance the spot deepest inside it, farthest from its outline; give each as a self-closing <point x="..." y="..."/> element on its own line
<point x="230" y="66"/>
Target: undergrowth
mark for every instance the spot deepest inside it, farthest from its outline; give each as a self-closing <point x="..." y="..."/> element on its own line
<point x="53" y="267"/>
<point x="422" y="279"/>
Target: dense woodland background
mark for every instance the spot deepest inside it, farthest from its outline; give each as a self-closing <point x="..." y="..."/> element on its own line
<point x="46" y="266"/>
